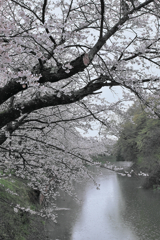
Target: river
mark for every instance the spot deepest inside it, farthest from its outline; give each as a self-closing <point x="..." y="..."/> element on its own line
<point x="119" y="210"/>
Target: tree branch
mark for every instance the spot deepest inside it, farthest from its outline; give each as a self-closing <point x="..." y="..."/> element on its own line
<point x="3" y="136"/>
<point x="102" y="17"/>
<point x="43" y="11"/>
<point x="78" y="65"/>
<point x="54" y="100"/>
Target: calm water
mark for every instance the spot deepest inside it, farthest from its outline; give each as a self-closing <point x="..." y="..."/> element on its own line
<point x="120" y="210"/>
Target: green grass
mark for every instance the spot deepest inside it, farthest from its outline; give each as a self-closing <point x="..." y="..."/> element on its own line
<point x="20" y="225"/>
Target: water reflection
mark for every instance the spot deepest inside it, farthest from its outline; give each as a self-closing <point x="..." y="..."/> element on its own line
<point x="119" y="210"/>
<point x="142" y="209"/>
<point x="100" y="217"/>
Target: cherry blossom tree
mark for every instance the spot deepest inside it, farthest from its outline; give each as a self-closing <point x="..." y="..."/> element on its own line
<point x="56" y="57"/>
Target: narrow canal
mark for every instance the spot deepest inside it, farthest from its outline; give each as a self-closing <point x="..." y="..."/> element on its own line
<point x="120" y="210"/>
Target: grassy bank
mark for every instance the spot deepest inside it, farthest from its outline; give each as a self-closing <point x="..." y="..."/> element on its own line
<point x="16" y="224"/>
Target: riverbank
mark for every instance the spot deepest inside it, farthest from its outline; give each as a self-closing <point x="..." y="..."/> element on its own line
<point x="16" y="223"/>
<point x="151" y="179"/>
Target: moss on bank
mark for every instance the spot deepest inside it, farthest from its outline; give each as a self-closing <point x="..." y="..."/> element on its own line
<point x="19" y="225"/>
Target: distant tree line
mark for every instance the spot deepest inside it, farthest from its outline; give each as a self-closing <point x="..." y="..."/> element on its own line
<point x="139" y="138"/>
